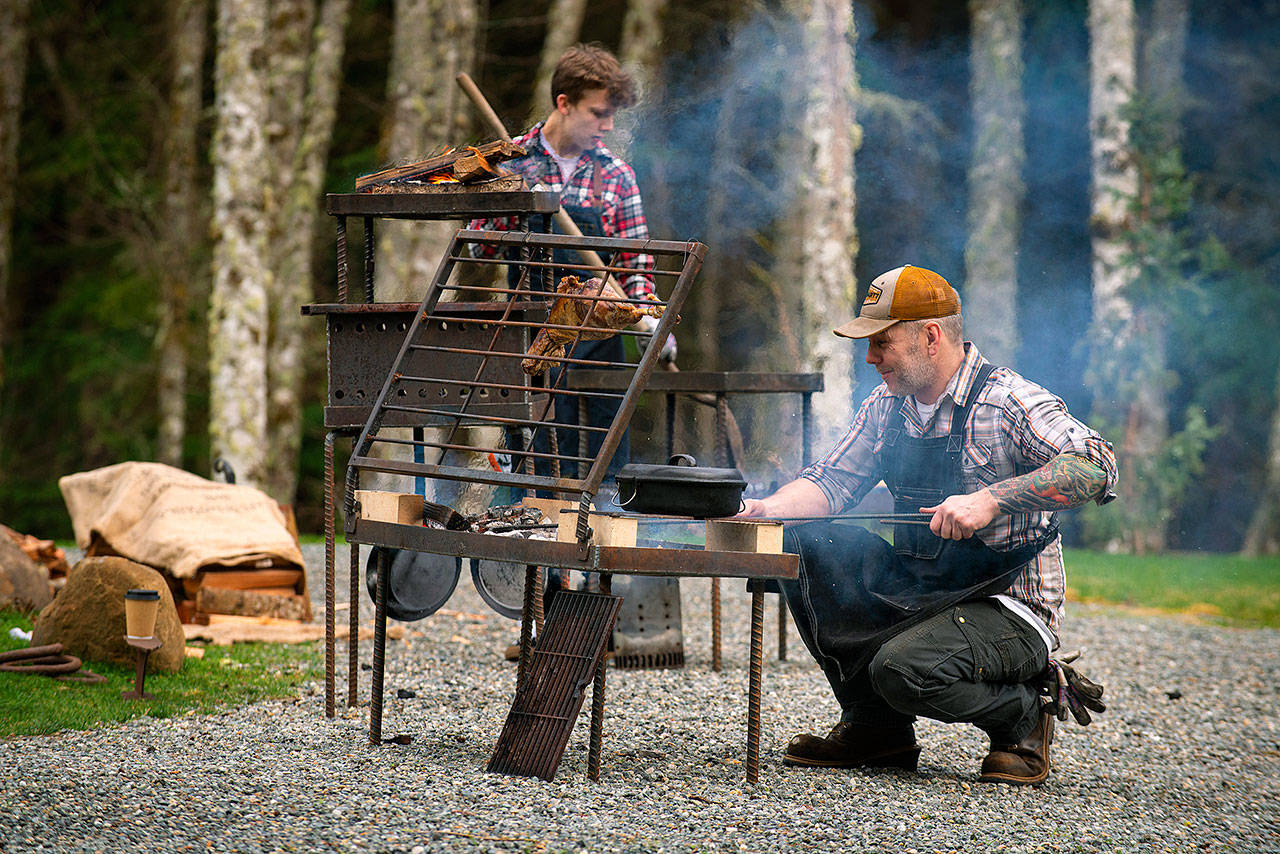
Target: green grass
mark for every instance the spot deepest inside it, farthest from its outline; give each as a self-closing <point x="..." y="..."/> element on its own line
<point x="226" y="676"/>
<point x="1220" y="588"/>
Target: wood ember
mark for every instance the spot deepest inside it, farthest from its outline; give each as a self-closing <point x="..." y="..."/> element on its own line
<point x="467" y="164"/>
<point x="506" y="518"/>
<point x="505" y="184"/>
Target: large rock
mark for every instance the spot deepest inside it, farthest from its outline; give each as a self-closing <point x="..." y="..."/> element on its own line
<point x="87" y="617"/>
<point x="24" y="584"/>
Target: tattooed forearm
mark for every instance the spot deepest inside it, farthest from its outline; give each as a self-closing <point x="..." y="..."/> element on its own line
<point x="1067" y="480"/>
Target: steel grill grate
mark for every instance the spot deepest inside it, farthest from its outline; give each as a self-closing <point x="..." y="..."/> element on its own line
<point x="455" y="374"/>
<point x="568" y="655"/>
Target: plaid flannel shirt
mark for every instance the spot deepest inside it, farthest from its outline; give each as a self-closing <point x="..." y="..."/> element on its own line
<point x="1015" y="427"/>
<point x="621" y="209"/>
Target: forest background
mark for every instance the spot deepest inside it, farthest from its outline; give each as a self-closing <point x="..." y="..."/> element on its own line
<point x="1113" y="230"/>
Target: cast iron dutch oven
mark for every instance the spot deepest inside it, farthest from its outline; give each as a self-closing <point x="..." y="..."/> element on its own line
<point x="680" y="488"/>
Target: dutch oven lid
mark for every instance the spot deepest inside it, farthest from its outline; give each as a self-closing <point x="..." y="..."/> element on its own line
<point x="418" y="583"/>
<point x="682" y="468"/>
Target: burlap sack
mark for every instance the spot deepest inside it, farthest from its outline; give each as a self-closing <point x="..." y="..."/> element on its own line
<point x="177" y="521"/>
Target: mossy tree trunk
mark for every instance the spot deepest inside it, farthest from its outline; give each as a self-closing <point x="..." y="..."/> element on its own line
<point x="182" y="228"/>
<point x="564" y="28"/>
<point x="824" y="234"/>
<point x="1126" y="373"/>
<point x="996" y="188"/>
<point x="308" y="46"/>
<point x="239" y="301"/>
<point x="13" y="69"/>
<point x="433" y="41"/>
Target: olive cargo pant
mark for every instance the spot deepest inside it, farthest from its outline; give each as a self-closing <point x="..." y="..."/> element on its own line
<point x="973" y="662"/>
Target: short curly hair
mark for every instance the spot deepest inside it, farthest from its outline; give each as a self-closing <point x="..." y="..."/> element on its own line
<point x="584" y="67"/>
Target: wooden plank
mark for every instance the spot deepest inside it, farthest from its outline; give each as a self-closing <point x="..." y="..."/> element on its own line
<point x="741" y="535"/>
<point x="399" y="508"/>
<point x="608" y="529"/>
<point x="253" y="579"/>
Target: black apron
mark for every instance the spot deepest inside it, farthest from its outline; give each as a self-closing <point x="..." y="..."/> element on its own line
<point x="600" y="412"/>
<point x="855" y="590"/>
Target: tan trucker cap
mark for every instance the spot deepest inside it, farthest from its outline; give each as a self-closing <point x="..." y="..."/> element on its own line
<point x="904" y="293"/>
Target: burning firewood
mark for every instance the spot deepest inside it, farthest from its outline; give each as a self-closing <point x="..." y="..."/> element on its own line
<point x="594" y="320"/>
<point x="467" y="165"/>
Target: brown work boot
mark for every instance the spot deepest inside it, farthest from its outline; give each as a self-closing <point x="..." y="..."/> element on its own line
<point x="851" y="745"/>
<point x="1023" y="764"/>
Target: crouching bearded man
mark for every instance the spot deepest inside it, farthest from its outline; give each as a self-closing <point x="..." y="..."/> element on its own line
<point x="957" y="619"/>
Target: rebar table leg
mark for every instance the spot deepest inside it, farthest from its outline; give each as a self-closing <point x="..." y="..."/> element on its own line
<point x="379" y="651"/>
<point x="531" y="592"/>
<point x="597" y="700"/>
<point x="723" y="456"/>
<point x="353" y="625"/>
<point x="330" y="628"/>
<point x="782" y="628"/>
<point x="753" y="687"/>
<point x="539" y="618"/>
<point x="715" y="624"/>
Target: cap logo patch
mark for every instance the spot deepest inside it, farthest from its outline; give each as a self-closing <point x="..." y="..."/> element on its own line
<point x="873" y="295"/>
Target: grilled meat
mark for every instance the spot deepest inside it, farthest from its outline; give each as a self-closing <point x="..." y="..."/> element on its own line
<point x="594" y="320"/>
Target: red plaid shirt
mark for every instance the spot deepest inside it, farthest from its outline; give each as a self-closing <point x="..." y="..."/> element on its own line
<point x="619" y="202"/>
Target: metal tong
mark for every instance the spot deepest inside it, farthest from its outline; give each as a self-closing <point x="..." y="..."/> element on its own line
<point x="887" y="518"/>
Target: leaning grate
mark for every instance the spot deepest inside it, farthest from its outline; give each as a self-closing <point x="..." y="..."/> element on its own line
<point x="566" y="659"/>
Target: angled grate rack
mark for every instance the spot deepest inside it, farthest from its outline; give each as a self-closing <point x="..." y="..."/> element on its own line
<point x="456" y="373"/>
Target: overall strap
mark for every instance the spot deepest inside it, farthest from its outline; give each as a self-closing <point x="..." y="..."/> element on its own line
<point x="955" y="439"/>
<point x="595" y="182"/>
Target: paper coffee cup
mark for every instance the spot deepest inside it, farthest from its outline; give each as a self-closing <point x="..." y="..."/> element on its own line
<point x="140" y="609"/>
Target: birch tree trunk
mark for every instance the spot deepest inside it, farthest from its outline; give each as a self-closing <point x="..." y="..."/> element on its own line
<point x="182" y="226"/>
<point x="238" y="305"/>
<point x="640" y="52"/>
<point x="564" y="28"/>
<point x="433" y="41"/>
<point x="996" y="188"/>
<point x="308" y="68"/>
<point x="13" y="70"/>
<point x="826" y="238"/>
<point x="1121" y="404"/>
<point x="641" y="37"/>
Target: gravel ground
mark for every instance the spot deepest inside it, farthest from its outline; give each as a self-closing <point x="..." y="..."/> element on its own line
<point x="1187" y="758"/>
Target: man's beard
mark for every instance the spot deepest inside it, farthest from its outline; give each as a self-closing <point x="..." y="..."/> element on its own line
<point x="916" y="373"/>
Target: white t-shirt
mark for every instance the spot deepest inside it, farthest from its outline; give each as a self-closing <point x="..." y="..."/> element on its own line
<point x="566" y="164"/>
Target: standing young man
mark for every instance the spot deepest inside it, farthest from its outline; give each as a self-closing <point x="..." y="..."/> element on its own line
<point x="598" y="190"/>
